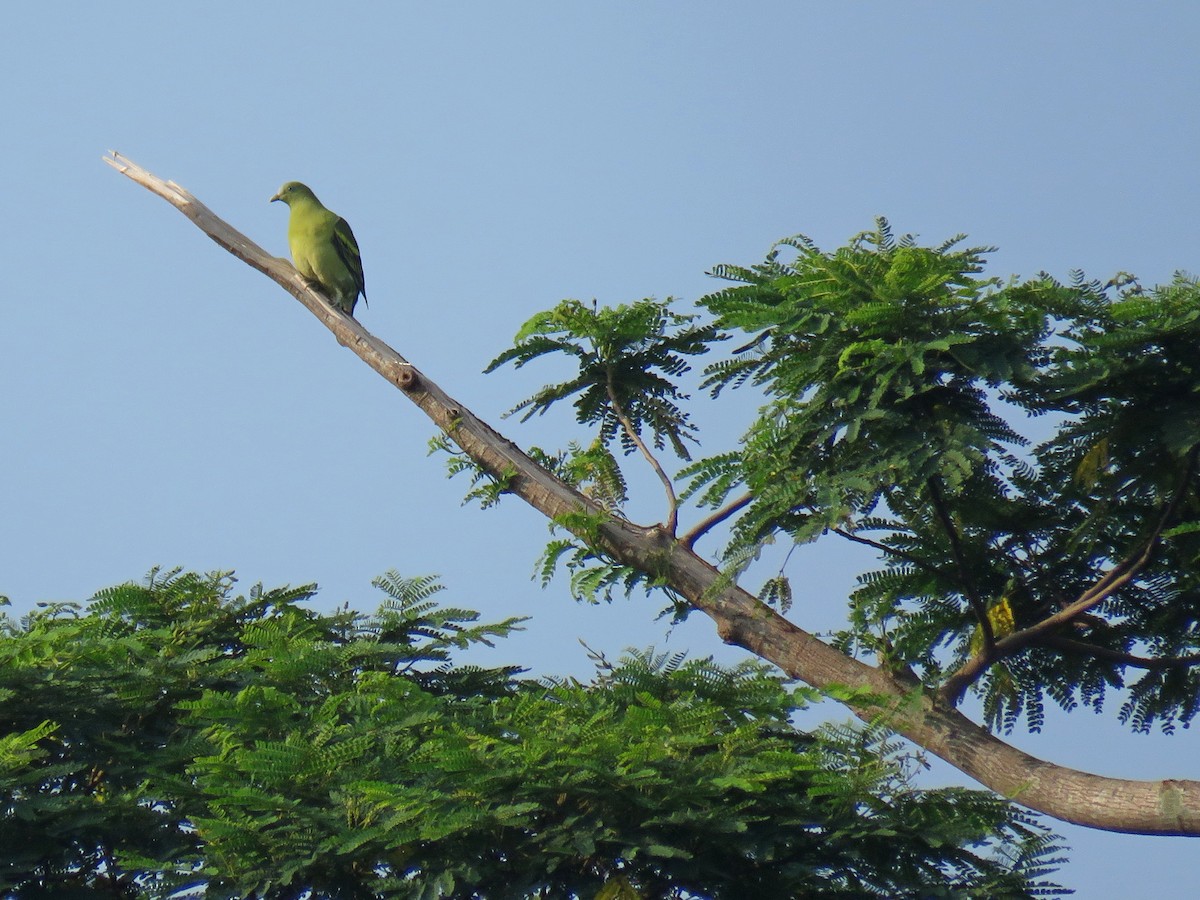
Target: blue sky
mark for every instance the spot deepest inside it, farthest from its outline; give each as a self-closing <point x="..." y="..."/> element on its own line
<point x="163" y="404"/>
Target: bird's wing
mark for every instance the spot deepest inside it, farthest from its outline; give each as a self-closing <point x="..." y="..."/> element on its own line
<point x="347" y="251"/>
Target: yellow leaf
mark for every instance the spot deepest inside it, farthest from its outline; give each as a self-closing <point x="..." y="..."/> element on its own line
<point x="1093" y="464"/>
<point x="1000" y="615"/>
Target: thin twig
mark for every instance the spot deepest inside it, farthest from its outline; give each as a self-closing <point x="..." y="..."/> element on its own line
<point x="707" y="524"/>
<point x="1117" y="656"/>
<point x="885" y="549"/>
<point x="672" y="521"/>
<point x="964" y="575"/>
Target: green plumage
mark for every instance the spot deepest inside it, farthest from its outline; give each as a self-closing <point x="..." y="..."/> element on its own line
<point x="323" y="247"/>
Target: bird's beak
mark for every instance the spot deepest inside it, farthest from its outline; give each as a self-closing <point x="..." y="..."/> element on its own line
<point x="276" y="197"/>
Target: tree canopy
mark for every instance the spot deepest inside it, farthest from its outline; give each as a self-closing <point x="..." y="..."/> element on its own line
<point x="172" y="736"/>
<point x="895" y="382"/>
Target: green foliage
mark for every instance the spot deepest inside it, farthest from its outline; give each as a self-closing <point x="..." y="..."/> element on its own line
<point x="176" y="740"/>
<point x="628" y="358"/>
<point x="593" y="576"/>
<point x="486" y="488"/>
<point x="777" y="592"/>
<point x="875" y="360"/>
<point x="893" y="374"/>
<point x="596" y="472"/>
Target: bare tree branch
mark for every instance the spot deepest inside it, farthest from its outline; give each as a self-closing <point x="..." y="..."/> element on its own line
<point x="672" y="521"/>
<point x="707" y="524"/>
<point x="885" y="549"/>
<point x="988" y="652"/>
<point x="1125" y="659"/>
<point x="964" y="575"/>
<point x="1114" y="804"/>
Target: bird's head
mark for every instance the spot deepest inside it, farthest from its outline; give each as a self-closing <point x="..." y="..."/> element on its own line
<point x="293" y="191"/>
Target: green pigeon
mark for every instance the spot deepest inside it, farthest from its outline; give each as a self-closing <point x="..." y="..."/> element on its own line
<point x="323" y="247"/>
